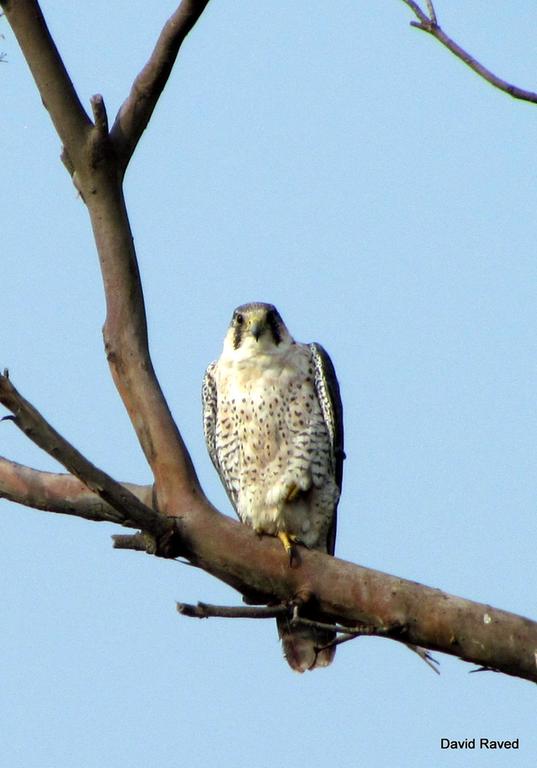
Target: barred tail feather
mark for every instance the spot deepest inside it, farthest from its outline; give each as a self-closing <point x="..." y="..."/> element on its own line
<point x="301" y="644"/>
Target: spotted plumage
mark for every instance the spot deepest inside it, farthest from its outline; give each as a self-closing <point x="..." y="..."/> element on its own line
<point x="273" y="427"/>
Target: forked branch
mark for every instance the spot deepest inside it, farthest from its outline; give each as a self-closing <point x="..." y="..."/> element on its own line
<point x="428" y="22"/>
<point x="127" y="508"/>
<point x="97" y="161"/>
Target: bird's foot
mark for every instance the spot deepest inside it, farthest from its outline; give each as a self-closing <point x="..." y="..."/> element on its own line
<point x="293" y="491"/>
<point x="287" y="490"/>
<point x="289" y="540"/>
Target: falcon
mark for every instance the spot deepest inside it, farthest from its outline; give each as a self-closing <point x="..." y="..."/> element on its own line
<point x="273" y="426"/>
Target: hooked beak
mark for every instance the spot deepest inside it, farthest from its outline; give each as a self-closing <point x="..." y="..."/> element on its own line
<point x="256" y="329"/>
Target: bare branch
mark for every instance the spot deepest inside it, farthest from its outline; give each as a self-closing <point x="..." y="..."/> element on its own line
<point x="132" y="512"/>
<point x="422" y="16"/>
<point x="127" y="348"/>
<point x="339" y="640"/>
<point x="92" y="160"/>
<point x="425" y="656"/>
<point x="60" y="493"/>
<point x="54" y="84"/>
<point x="353" y="596"/>
<point x="351" y="633"/>
<point x="429" y="24"/>
<point x="432" y="12"/>
<point x="99" y="115"/>
<point x="139" y="542"/>
<point x="358" y="631"/>
<point x="328" y="588"/>
<point x="206" y="611"/>
<point x="136" y="111"/>
<point x="483" y="669"/>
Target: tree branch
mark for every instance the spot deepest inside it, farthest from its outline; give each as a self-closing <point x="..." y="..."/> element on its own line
<point x="428" y="23"/>
<point x="206" y="611"/>
<point x="328" y="589"/>
<point x="60" y="493"/>
<point x="349" y="595"/>
<point x="57" y="92"/>
<point x="138" y="542"/>
<point x="127" y="350"/>
<point x="136" y="110"/>
<point x="97" y="172"/>
<point x="128" y="509"/>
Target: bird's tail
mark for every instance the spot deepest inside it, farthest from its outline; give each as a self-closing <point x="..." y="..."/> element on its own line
<point x="303" y="646"/>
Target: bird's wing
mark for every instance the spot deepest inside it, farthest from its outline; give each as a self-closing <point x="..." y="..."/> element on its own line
<point x="209" y="398"/>
<point x="327" y="388"/>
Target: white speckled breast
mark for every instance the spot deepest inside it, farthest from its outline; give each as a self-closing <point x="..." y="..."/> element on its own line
<point x="272" y="441"/>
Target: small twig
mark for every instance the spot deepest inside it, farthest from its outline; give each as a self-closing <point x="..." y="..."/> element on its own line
<point x="338" y="641"/>
<point x="350" y="633"/>
<point x="206" y="611"/>
<point x="483" y="669"/>
<point x="355" y="631"/>
<point x="432" y="12"/>
<point x="429" y="24"/>
<point x="140" y="542"/>
<point x="421" y="15"/>
<point x="99" y="115"/>
<point x="425" y="656"/>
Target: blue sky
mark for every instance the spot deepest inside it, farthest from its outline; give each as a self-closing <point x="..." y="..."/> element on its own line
<point x="336" y="162"/>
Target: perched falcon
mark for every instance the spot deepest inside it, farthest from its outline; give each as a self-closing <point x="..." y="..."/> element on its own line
<point x="273" y="427"/>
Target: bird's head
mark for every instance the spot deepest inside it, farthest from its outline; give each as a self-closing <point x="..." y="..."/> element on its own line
<point x="256" y="328"/>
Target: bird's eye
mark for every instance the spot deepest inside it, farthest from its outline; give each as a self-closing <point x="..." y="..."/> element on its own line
<point x="239" y="319"/>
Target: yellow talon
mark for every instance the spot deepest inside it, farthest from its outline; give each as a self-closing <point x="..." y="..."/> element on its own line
<point x="285" y="540"/>
<point x="292" y="493"/>
<point x="288" y="540"/>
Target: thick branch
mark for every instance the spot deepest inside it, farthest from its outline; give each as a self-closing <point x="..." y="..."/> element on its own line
<point x="328" y="589"/>
<point x="429" y="24"/>
<point x="136" y="111"/>
<point x="61" y="493"/>
<point x="127" y="349"/>
<point x="347" y="594"/>
<point x="131" y="511"/>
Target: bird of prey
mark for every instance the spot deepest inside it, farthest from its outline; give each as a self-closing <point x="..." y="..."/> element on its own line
<point x="273" y="427"/>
